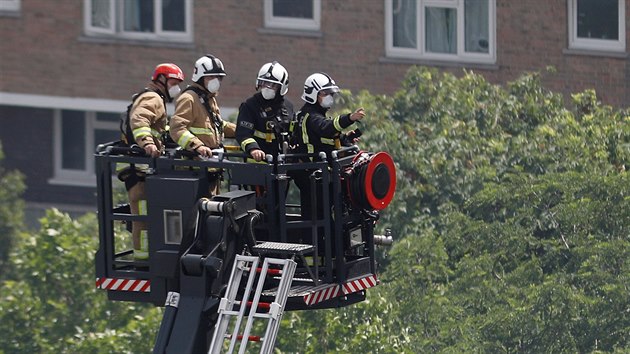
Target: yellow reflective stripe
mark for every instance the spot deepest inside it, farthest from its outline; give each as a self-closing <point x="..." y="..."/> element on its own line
<point x="142" y="207"/>
<point x="225" y="123"/>
<point x="336" y="123"/>
<point x="185" y="139"/>
<point x="140" y="132"/>
<point x="155" y="133"/>
<point x="328" y="141"/>
<point x="201" y="131"/>
<point x="267" y="136"/>
<point x="143" y="252"/>
<point x="120" y="166"/>
<point x="247" y="141"/>
<point x="309" y="146"/>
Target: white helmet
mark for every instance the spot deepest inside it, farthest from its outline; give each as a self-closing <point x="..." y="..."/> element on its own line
<point x="276" y="73"/>
<point x="315" y="83"/>
<point x="207" y="65"/>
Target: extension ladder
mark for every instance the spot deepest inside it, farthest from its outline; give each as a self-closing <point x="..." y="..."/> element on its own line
<point x="247" y="266"/>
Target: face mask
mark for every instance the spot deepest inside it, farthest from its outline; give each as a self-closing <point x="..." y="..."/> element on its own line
<point x="213" y="85"/>
<point x="174" y="91"/>
<point x="327" y="101"/>
<point x="267" y="93"/>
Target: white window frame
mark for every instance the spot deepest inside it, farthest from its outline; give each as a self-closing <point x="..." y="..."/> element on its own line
<point x="420" y="52"/>
<point x="10" y="5"/>
<point x="313" y="24"/>
<point x="74" y="177"/>
<point x="576" y="42"/>
<point x="116" y="16"/>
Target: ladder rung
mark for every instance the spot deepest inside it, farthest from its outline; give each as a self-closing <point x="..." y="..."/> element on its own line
<point x="262" y="305"/>
<point x="249" y="338"/>
<point x="270" y="271"/>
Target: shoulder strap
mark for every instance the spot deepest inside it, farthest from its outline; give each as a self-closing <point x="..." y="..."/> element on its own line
<point x="125" y="124"/>
<point x="216" y="119"/>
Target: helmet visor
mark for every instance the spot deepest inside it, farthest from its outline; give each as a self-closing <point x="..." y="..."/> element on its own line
<point x="329" y="90"/>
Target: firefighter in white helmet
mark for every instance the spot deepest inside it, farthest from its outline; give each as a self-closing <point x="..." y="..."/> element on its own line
<point x="197" y="124"/>
<point x="263" y="119"/>
<point x="314" y="132"/>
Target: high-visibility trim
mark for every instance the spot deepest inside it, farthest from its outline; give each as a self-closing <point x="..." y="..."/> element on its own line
<point x="142" y="207"/>
<point x="201" y="131"/>
<point x="328" y="141"/>
<point x="142" y="131"/>
<point x="309" y="147"/>
<point x="337" y="124"/>
<point x="247" y="142"/>
<point x="121" y="166"/>
<point x="185" y="139"/>
<point x="156" y="133"/>
<point x="335" y="290"/>
<point x="120" y="284"/>
<point x="267" y="136"/>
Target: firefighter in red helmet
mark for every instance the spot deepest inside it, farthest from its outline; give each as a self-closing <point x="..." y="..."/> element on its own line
<point x="144" y="125"/>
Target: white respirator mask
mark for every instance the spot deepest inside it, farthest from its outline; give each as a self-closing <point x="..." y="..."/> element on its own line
<point x="267" y="93"/>
<point x="213" y="85"/>
<point x="327" y="101"/>
<point x="174" y="91"/>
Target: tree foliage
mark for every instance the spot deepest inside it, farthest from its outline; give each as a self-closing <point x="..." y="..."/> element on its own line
<point x="512" y="222"/>
<point x="11" y="211"/>
<point x="52" y="305"/>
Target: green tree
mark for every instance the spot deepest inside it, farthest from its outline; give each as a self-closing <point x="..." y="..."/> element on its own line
<point x="52" y="305"/>
<point x="511" y="219"/>
<point x="11" y="211"/>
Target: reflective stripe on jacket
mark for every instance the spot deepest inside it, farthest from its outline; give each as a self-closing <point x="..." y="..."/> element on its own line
<point x="191" y="126"/>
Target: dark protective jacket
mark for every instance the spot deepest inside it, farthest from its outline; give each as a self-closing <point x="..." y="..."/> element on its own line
<point x="263" y="124"/>
<point x="315" y="132"/>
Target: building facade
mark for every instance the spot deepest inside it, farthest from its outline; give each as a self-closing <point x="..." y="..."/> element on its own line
<point x="68" y="68"/>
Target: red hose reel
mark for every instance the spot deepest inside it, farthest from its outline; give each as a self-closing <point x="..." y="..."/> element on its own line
<point x="371" y="180"/>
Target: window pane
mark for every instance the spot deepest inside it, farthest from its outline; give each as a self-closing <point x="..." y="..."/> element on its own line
<point x="404" y="23"/>
<point x="598" y="19"/>
<point x="476" y="26"/>
<point x="102" y="136"/>
<point x="441" y="30"/>
<point x="293" y="8"/>
<point x="100" y="13"/>
<point x="138" y="16"/>
<point x="173" y="15"/>
<point x="108" y="117"/>
<point x="72" y="140"/>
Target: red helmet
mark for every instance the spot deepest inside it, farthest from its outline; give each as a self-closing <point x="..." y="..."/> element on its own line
<point x="169" y="70"/>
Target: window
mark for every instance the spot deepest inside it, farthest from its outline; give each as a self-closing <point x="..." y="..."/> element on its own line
<point x="445" y="30"/>
<point x="293" y="14"/>
<point x="597" y="25"/>
<point x="77" y="133"/>
<point x="168" y="20"/>
<point x="10" y="5"/>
